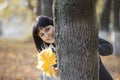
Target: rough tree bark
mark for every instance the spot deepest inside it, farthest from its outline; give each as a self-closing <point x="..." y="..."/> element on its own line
<point x="105" y="20"/>
<point x="76" y="39"/>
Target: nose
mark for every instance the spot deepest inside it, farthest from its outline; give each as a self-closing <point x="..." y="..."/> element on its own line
<point x="48" y="35"/>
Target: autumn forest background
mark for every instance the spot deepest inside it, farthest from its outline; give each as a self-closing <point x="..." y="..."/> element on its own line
<point x="18" y="55"/>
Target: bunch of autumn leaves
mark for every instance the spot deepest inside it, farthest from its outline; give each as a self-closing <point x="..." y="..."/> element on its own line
<point x="46" y="60"/>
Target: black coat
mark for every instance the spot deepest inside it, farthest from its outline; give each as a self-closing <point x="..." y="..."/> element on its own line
<point x="105" y="49"/>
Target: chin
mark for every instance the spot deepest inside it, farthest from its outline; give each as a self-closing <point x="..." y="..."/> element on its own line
<point x="51" y="41"/>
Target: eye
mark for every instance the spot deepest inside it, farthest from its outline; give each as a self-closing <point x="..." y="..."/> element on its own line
<point x="47" y="29"/>
<point x="41" y="34"/>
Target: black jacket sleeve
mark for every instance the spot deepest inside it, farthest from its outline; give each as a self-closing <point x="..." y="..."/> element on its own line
<point x="103" y="73"/>
<point x="105" y="47"/>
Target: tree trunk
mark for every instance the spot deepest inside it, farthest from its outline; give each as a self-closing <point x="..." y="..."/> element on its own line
<point x="46" y="6"/>
<point x="38" y="12"/>
<point x="105" y="20"/>
<point x="116" y="28"/>
<point x="76" y="39"/>
<point x="30" y="5"/>
<point x="116" y="15"/>
<point x="0" y="28"/>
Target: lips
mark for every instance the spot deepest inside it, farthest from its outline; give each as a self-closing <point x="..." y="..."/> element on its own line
<point x="51" y="35"/>
<point x="50" y="38"/>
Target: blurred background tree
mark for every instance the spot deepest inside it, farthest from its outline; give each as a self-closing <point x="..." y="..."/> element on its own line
<point x="10" y="8"/>
<point x="109" y="21"/>
<point x="116" y="27"/>
<point x="105" y="20"/>
<point x="16" y="17"/>
<point x="44" y="7"/>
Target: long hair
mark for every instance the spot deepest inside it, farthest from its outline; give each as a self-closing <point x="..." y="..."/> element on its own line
<point x="41" y="21"/>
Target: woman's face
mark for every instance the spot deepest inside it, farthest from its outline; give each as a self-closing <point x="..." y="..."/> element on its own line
<point x="47" y="34"/>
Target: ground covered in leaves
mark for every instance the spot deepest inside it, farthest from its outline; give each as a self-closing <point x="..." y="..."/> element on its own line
<point x="18" y="60"/>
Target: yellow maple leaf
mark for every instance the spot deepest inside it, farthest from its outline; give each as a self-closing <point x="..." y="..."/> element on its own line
<point x="46" y="60"/>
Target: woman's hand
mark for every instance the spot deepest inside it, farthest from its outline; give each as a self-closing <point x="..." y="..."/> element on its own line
<point x="56" y="72"/>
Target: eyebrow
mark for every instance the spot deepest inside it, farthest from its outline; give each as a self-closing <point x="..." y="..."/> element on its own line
<point x="40" y="31"/>
<point x="41" y="28"/>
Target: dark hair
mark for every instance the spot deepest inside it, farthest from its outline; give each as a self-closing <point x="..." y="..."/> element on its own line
<point x="41" y="21"/>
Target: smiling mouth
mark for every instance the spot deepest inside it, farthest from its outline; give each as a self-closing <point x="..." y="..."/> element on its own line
<point x="52" y="34"/>
<point x="49" y="39"/>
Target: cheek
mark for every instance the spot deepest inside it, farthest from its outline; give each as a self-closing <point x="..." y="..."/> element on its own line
<point x="52" y="30"/>
<point x="43" y="38"/>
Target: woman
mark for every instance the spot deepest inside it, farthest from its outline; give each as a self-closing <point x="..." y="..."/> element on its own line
<point x="43" y="34"/>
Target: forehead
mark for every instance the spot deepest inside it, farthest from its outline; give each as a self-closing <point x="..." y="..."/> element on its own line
<point x="42" y="29"/>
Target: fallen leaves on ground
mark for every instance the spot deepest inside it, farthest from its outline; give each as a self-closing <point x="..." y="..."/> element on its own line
<point x="18" y="61"/>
